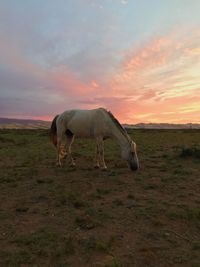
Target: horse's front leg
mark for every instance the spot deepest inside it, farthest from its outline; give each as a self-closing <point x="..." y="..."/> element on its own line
<point x="96" y="159"/>
<point x="101" y="153"/>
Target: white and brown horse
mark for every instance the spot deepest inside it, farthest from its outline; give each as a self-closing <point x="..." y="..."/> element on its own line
<point x="96" y="123"/>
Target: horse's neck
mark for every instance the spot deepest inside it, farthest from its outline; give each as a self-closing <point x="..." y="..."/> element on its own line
<point x="120" y="137"/>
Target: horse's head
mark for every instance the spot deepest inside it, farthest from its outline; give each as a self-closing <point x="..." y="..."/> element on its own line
<point x="130" y="155"/>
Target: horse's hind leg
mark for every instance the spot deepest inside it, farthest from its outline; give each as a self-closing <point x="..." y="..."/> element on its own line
<point x="70" y="140"/>
<point x="61" y="143"/>
<point x="61" y="153"/>
<point x="58" y="163"/>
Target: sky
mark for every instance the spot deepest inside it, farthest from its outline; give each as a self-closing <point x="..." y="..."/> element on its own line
<point x="138" y="59"/>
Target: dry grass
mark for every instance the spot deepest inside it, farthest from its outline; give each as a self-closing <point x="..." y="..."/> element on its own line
<point x="84" y="217"/>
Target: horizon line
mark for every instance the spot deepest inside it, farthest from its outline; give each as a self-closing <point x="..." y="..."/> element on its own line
<point x="123" y="123"/>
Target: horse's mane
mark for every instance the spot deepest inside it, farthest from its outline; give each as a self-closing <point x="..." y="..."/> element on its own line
<point x="117" y="123"/>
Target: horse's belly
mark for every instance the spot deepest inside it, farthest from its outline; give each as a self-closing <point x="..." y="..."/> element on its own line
<point x="81" y="128"/>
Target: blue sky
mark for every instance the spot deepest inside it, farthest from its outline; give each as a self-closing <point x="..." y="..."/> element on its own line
<point x="57" y="55"/>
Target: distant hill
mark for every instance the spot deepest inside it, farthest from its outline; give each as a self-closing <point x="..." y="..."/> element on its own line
<point x="163" y="126"/>
<point x="6" y="123"/>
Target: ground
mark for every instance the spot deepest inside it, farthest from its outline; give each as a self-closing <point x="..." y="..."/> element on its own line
<point x="84" y="217"/>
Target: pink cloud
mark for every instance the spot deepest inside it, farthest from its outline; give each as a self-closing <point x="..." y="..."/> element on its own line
<point x="160" y="77"/>
<point x="159" y="81"/>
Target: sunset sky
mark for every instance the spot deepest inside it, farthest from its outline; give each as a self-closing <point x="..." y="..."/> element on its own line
<point x="139" y="59"/>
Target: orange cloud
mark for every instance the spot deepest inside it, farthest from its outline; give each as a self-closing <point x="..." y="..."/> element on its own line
<point x="160" y="78"/>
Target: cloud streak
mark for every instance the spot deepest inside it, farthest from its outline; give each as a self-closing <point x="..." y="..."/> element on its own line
<point x="162" y="71"/>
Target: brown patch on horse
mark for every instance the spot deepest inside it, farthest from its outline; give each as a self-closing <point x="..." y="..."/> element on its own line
<point x="69" y="133"/>
<point x="53" y="131"/>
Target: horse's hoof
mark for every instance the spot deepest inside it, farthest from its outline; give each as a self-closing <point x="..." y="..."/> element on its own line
<point x="96" y="166"/>
<point x="104" y="169"/>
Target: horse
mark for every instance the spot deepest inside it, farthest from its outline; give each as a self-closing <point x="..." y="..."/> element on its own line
<point x="95" y="123"/>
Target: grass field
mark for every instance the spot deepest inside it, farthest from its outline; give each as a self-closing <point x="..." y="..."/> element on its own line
<point x="68" y="217"/>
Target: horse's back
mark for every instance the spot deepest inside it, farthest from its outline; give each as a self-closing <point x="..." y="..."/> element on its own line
<point x="85" y="123"/>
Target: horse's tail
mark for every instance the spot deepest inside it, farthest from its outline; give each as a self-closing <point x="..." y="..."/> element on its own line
<point x="53" y="131"/>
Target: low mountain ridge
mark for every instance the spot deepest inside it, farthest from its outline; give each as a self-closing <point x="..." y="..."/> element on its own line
<point x="7" y="123"/>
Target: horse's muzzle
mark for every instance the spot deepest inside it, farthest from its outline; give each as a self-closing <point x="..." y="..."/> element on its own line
<point x="134" y="165"/>
<point x="134" y="168"/>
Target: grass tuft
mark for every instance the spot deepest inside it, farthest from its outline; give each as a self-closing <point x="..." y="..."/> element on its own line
<point x="193" y="152"/>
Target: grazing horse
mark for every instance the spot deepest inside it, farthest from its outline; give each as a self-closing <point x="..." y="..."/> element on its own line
<point x="96" y="123"/>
